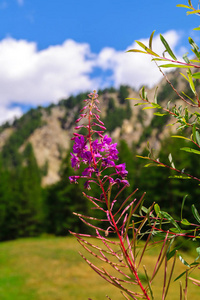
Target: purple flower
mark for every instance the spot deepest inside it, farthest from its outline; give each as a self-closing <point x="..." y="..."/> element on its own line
<point x="88" y="171"/>
<point x="87" y="185"/>
<point x="120" y="169"/>
<point x="79" y="145"/>
<point x="87" y="157"/>
<point x="73" y="179"/>
<point x="106" y="140"/>
<point x="75" y="161"/>
<point x="106" y="162"/>
<point x="113" y="152"/>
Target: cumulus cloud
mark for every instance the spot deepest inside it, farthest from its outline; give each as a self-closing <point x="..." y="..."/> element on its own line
<point x="30" y="76"/>
<point x="33" y="77"/>
<point x="135" y="69"/>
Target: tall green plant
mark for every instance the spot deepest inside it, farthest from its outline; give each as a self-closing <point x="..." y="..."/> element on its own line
<point x="127" y="219"/>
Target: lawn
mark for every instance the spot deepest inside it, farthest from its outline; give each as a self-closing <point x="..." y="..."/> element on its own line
<point x="50" y="268"/>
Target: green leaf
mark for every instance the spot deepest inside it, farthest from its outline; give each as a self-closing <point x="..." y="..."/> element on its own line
<point x="144" y="157"/>
<point x="157" y="208"/>
<point x="179" y="177"/>
<point x="181" y="5"/>
<point x="167" y="47"/>
<point x="185" y="222"/>
<point x="136" y="50"/>
<point x="138" y="104"/>
<point x="175" y="66"/>
<point x="171" y="160"/>
<point x="156" y="105"/>
<point x="198" y="250"/>
<point x="188" y="97"/>
<point x="191" y="81"/>
<point x="133" y="98"/>
<point x="196" y="75"/>
<point x="170" y="219"/>
<point x="186" y="59"/>
<point x="181" y="137"/>
<point x="198" y="138"/>
<point x="184" y="76"/>
<point x="196" y="28"/>
<point x="182" y="205"/>
<point x="195" y="213"/>
<point x="180" y="276"/>
<point x="174" y="230"/>
<point x="149" y="107"/>
<point x="194" y="133"/>
<point x="194" y="46"/>
<point x="183" y="261"/>
<point x="150" y="165"/>
<point x="159" y="114"/>
<point x="187" y="149"/>
<point x="146" y="49"/>
<point x="143" y="93"/>
<point x="151" y="39"/>
<point x="196" y="11"/>
<point x="158" y="59"/>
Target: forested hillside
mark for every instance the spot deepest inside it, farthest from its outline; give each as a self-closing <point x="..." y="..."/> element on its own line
<point x="35" y="193"/>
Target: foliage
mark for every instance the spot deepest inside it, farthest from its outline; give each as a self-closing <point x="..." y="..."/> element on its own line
<point x="115" y="115"/>
<point x="123" y="93"/>
<point x="23" y="128"/>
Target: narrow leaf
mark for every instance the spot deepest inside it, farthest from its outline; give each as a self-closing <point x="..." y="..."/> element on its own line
<point x="170" y="219"/>
<point x="198" y="138"/>
<point x="183" y="261"/>
<point x="191" y="81"/>
<point x="193" y="12"/>
<point x="194" y="46"/>
<point x="180" y="276"/>
<point x="187" y="149"/>
<point x="182" y="206"/>
<point x="184" y="76"/>
<point x="181" y="137"/>
<point x="175" y="66"/>
<point x="194" y="133"/>
<point x="167" y="47"/>
<point x="159" y="114"/>
<point x="195" y="213"/>
<point x="196" y="75"/>
<point x="136" y="50"/>
<point x="147" y="49"/>
<point x="179" y="176"/>
<point x="151" y="39"/>
<point x="185" y="57"/>
<point x="182" y="5"/>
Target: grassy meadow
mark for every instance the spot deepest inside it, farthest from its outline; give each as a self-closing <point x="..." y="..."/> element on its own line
<point x="50" y="268"/>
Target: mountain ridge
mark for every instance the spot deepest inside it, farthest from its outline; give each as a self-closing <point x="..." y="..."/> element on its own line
<point x="54" y="125"/>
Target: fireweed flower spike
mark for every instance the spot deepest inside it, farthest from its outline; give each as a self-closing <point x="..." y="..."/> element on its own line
<point x="96" y="151"/>
<point x="99" y="154"/>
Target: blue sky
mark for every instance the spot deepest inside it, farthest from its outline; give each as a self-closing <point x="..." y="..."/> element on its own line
<point x="51" y="49"/>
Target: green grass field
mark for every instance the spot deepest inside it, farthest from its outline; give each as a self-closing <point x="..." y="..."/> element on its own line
<point x="50" y="268"/>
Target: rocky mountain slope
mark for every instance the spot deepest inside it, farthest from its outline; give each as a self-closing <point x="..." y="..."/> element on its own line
<point x="50" y="136"/>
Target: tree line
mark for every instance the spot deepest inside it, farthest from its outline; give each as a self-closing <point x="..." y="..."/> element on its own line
<point x="28" y="209"/>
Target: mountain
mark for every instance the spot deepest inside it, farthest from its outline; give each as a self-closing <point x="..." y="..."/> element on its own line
<point x="49" y="129"/>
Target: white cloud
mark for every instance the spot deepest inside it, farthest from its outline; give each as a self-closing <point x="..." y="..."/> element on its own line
<point x="135" y="69"/>
<point x="9" y="114"/>
<point x="38" y="77"/>
<point x="33" y="77"/>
